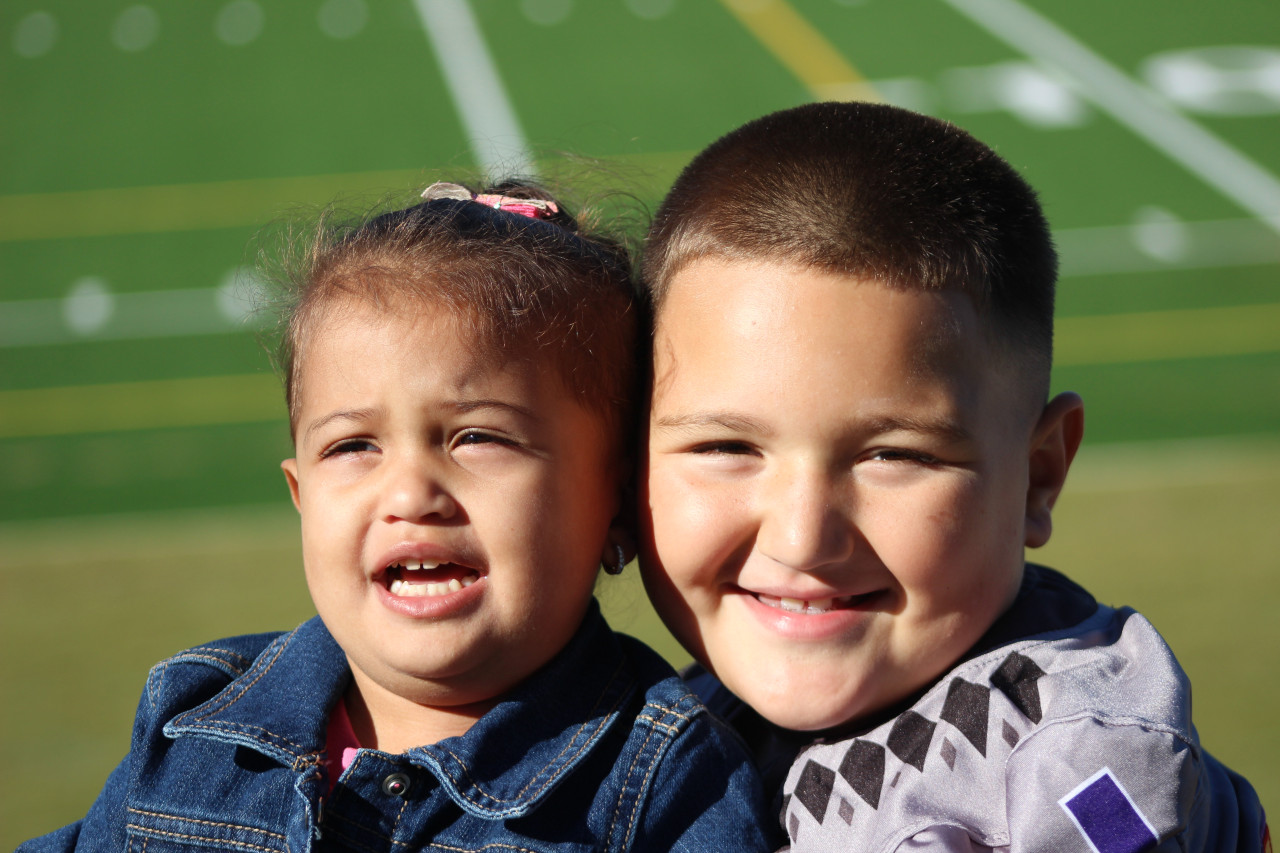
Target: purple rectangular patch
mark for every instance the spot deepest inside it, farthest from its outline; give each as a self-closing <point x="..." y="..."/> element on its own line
<point x="1107" y="817"/>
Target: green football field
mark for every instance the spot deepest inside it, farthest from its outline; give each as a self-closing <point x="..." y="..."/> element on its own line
<point x="144" y="145"/>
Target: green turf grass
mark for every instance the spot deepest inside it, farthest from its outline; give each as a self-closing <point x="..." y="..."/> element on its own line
<point x="1184" y="532"/>
<point x="148" y="170"/>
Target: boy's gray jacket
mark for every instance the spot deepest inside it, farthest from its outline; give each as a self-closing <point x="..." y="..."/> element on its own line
<point x="1078" y="740"/>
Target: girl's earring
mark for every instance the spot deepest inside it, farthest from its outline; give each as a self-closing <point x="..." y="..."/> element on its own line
<point x="616" y="568"/>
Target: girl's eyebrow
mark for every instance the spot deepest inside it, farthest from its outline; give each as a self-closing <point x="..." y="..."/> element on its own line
<point x="352" y="415"/>
<point x="459" y="406"/>
<point x="468" y="405"/>
<point x="731" y="421"/>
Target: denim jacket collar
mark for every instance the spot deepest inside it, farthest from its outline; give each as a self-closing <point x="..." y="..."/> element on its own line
<point x="280" y="705"/>
<point x="508" y="762"/>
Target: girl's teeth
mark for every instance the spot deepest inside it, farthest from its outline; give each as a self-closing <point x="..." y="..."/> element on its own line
<point x="425" y="590"/>
<point x="419" y="566"/>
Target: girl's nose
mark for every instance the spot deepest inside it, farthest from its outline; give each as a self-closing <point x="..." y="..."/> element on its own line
<point x="415" y="489"/>
<point x="804" y="523"/>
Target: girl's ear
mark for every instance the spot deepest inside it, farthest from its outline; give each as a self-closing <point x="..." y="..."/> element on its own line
<point x="622" y="529"/>
<point x="290" y="468"/>
<point x="1054" y="443"/>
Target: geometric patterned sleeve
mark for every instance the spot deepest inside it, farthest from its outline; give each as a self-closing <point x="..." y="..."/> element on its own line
<point x="1079" y="742"/>
<point x="1113" y="786"/>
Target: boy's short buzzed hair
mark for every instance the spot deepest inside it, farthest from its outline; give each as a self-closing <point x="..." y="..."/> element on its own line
<point x="876" y="192"/>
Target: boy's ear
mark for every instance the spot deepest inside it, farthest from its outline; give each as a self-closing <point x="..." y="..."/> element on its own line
<point x="290" y="468"/>
<point x="1054" y="443"/>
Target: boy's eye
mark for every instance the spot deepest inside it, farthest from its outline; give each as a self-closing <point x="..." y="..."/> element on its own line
<point x="897" y="454"/>
<point x="725" y="448"/>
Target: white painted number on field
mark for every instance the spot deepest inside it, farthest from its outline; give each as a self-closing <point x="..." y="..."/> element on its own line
<point x="1225" y="80"/>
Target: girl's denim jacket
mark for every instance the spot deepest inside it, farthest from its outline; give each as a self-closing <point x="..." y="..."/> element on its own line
<point x="603" y="749"/>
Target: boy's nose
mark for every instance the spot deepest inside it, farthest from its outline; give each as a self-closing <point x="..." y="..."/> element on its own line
<point x="414" y="490"/>
<point x="803" y="524"/>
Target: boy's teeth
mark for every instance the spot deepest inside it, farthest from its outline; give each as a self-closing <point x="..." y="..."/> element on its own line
<point x="796" y="605"/>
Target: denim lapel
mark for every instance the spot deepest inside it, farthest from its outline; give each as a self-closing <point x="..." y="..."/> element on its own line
<point x="280" y="705"/>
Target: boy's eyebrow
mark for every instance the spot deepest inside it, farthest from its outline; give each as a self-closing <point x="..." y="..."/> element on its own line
<point x="943" y="428"/>
<point x="727" y="420"/>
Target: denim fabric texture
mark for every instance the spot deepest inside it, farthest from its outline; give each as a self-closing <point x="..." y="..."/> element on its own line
<point x="603" y="749"/>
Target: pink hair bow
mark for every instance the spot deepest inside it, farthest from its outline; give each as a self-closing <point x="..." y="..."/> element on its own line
<point x="534" y="208"/>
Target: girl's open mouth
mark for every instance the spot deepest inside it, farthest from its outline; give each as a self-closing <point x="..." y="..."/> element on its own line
<point x="417" y="579"/>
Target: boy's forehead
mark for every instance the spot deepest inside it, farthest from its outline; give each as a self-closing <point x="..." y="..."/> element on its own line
<point x="785" y="298"/>
<point x="727" y="324"/>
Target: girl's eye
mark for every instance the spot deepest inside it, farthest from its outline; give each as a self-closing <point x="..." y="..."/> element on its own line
<point x="476" y="437"/>
<point x="351" y="445"/>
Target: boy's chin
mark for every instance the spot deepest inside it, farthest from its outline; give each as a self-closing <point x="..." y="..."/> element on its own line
<point x="801" y="710"/>
<point x="804" y="720"/>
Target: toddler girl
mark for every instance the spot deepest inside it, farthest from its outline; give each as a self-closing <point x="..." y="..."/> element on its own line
<point x="459" y="376"/>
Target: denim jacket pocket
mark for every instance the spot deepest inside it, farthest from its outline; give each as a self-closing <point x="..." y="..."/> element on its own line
<point x="156" y="832"/>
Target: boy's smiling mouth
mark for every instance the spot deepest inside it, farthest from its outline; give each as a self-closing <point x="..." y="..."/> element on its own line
<point x="426" y="579"/>
<point x="814" y="605"/>
<point x="796" y="605"/>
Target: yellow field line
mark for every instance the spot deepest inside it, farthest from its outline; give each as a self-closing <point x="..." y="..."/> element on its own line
<point x="124" y="406"/>
<point x="1157" y="335"/>
<point x="802" y="49"/>
<point x="177" y="207"/>
<point x="251" y="202"/>
<point x="256" y="398"/>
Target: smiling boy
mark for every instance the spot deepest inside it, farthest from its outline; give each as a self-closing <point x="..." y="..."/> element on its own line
<point x="851" y="442"/>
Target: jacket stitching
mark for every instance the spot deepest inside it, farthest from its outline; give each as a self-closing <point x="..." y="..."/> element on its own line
<point x="192" y="656"/>
<point x="494" y="846"/>
<point x="162" y="815"/>
<point x="666" y="712"/>
<point x="209" y="838"/>
<point x="635" y="807"/>
<point x="264" y="735"/>
<point x="279" y="650"/>
<point x="241" y="662"/>
<point x="280" y="645"/>
<point x="626" y="787"/>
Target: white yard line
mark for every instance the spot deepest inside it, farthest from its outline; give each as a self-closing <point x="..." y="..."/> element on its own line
<point x="1131" y="104"/>
<point x="490" y="121"/>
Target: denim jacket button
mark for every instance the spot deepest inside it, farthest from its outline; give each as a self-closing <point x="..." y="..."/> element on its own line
<point x="396" y="785"/>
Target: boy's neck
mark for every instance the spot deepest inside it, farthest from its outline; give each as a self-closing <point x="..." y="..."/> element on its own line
<point x="390" y="723"/>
